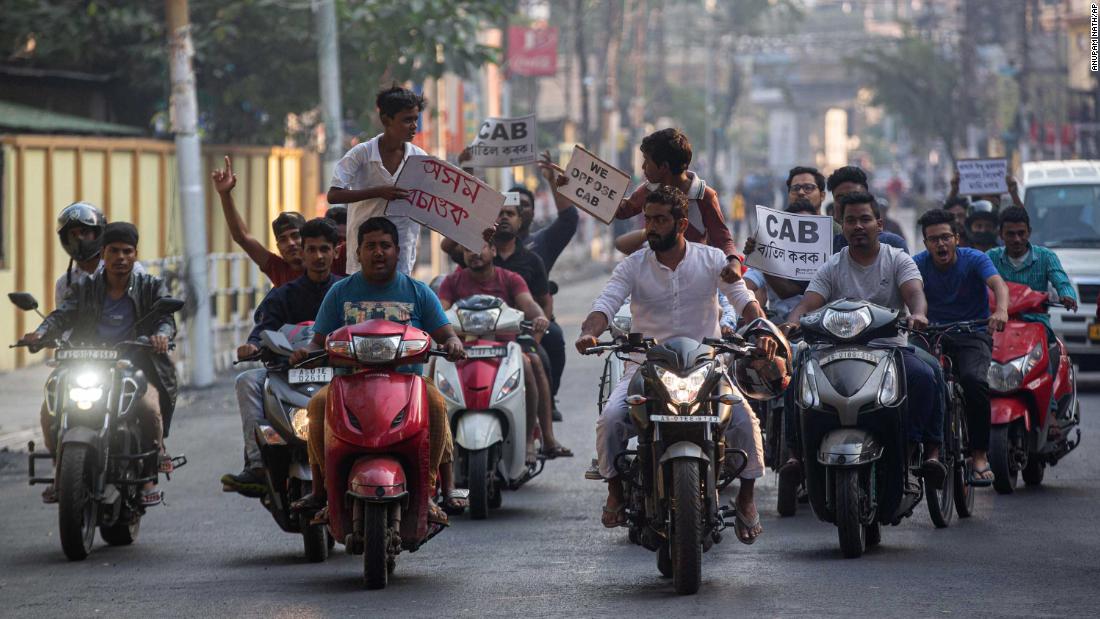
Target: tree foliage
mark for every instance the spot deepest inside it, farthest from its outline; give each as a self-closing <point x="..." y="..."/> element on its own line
<point x="255" y="60"/>
<point x="920" y="86"/>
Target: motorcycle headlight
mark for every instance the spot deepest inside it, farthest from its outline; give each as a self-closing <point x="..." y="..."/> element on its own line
<point x="478" y="321"/>
<point x="376" y="349"/>
<point x="621" y="324"/>
<point x="88" y="390"/>
<point x="888" y="392"/>
<point x="509" y="386"/>
<point x="683" y="389"/>
<point x="299" y="420"/>
<point x="846" y="324"/>
<point x="1005" y="377"/>
<point x="445" y="387"/>
<point x="807" y="388"/>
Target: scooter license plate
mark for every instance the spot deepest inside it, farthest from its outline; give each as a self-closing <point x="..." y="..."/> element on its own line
<point x="486" y="352"/>
<point x="1094" y="332"/>
<point x="298" y="376"/>
<point x="684" y="418"/>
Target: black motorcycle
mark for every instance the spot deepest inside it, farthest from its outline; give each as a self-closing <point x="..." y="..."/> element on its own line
<point x="282" y="436"/>
<point x="681" y="401"/>
<point x="852" y="402"/>
<point x="101" y="467"/>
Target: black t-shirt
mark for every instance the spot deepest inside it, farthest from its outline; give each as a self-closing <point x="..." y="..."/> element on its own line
<point x="530" y="267"/>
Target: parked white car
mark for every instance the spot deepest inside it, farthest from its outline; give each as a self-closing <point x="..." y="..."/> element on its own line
<point x="1063" y="201"/>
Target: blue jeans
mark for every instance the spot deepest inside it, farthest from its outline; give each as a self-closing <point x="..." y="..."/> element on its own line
<point x="924" y="387"/>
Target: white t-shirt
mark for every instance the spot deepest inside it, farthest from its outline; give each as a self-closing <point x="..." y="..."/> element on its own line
<point x="361" y="168"/>
<point x="879" y="282"/>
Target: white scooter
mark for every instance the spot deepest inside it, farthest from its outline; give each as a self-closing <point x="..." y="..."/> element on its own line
<point x="486" y="401"/>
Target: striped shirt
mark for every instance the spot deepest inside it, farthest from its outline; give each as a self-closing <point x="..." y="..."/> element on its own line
<point x="1041" y="270"/>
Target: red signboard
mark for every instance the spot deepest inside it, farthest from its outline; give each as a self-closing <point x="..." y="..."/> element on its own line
<point x="533" y="52"/>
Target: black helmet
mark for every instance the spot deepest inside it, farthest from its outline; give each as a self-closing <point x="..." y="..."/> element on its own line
<point x="84" y="215"/>
<point x="759" y="378"/>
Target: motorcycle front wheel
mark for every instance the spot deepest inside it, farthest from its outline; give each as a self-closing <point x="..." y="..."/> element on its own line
<point x="1002" y="461"/>
<point x="480" y="479"/>
<point x="849" y="513"/>
<point x="687" y="527"/>
<point x="77" y="509"/>
<point x="375" y="546"/>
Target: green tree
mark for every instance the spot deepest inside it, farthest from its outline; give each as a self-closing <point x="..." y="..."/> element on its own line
<point x="920" y="86"/>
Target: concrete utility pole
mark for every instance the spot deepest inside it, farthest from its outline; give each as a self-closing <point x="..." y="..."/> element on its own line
<point x="328" y="69"/>
<point x="189" y="164"/>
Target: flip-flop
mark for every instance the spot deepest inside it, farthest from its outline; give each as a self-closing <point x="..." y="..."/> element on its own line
<point x="620" y="517"/>
<point x="977" y="481"/>
<point x="309" y="502"/>
<point x="934" y="473"/>
<point x="321" y="517"/>
<point x="744" y="527"/>
<point x="149" y="498"/>
<point x="558" y="451"/>
<point x="436" y="515"/>
<point x="456" y="502"/>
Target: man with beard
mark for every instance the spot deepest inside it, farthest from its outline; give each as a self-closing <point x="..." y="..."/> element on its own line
<point x="868" y="269"/>
<point x="365" y="177"/>
<point x="293" y="303"/>
<point x="671" y="286"/>
<point x="481" y="276"/>
<point x="281" y="268"/>
<point x="956" y="280"/>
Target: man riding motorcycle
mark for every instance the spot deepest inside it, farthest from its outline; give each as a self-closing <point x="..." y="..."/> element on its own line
<point x="481" y="276"/>
<point x="955" y="282"/>
<point x="672" y="287"/>
<point x="380" y="291"/>
<point x="104" y="309"/>
<point x="870" y="270"/>
<point x="292" y="303"/>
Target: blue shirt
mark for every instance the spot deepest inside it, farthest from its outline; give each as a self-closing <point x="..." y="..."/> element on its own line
<point x="959" y="293"/>
<point x="116" y="320"/>
<point x="353" y="300"/>
<point x="886" y="238"/>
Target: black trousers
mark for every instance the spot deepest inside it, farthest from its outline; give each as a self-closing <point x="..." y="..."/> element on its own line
<point x="971" y="354"/>
<point x="554" y="343"/>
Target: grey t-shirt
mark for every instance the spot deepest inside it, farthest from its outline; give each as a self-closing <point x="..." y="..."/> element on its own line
<point x="880" y="282"/>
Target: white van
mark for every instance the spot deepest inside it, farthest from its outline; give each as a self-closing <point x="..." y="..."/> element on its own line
<point x="1063" y="201"/>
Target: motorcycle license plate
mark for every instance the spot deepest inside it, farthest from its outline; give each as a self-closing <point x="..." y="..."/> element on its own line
<point x="684" y="418"/>
<point x="486" y="352"/>
<point x="297" y="376"/>
<point x="1094" y="332"/>
<point x="87" y="354"/>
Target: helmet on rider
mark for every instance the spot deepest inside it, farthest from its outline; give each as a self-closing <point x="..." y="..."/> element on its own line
<point x="760" y="378"/>
<point x="86" y="218"/>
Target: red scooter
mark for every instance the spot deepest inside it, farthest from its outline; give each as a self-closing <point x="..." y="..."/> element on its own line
<point x="1026" y="436"/>
<point x="376" y="445"/>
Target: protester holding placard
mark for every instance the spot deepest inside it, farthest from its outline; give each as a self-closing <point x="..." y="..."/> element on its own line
<point x="1011" y="185"/>
<point x="666" y="155"/>
<point x="364" y="179"/>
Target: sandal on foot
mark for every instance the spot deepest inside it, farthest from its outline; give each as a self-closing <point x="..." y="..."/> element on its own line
<point x="166" y="466"/>
<point x="934" y="473"/>
<point x="49" y="495"/>
<point x="618" y="514"/>
<point x="457" y="501"/>
<point x="977" y="477"/>
<point x="309" y="503"/>
<point x="557" y="451"/>
<point x="532" y="456"/>
<point x="149" y="498"/>
<point x="320" y="517"/>
<point x="746" y="528"/>
<point x="436" y="515"/>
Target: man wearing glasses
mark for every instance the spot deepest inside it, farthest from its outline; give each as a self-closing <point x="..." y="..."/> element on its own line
<point x="955" y="282"/>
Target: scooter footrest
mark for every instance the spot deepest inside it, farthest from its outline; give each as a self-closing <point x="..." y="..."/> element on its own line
<point x="40" y="480"/>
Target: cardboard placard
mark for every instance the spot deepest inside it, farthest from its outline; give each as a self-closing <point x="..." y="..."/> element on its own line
<point x="455" y="204"/>
<point x="594" y="185"/>
<point x="791" y="245"/>
<point x="982" y="176"/>
<point x="505" y="142"/>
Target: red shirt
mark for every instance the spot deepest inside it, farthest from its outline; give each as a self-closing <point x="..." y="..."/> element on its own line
<point x="704" y="201"/>
<point x="504" y="284"/>
<point x="340" y="260"/>
<point x="279" y="271"/>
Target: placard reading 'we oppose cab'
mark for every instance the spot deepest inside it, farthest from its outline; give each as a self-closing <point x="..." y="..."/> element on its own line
<point x="594" y="185"/>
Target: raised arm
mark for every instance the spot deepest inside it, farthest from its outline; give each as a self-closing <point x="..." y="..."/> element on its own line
<point x="224" y="182"/>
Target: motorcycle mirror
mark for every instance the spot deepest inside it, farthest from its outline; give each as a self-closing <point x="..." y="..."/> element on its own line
<point x="167" y="305"/>
<point x="23" y="300"/>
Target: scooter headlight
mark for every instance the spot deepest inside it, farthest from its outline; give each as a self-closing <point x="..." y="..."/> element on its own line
<point x="620" y="325"/>
<point x="509" y="386"/>
<point x="478" y="321"/>
<point x="846" y="324"/>
<point x="807" y="388"/>
<point x="683" y="389"/>
<point x="299" y="420"/>
<point x="888" y="392"/>
<point x="445" y="387"/>
<point x="1005" y="377"/>
<point x="88" y="390"/>
<point x="376" y="349"/>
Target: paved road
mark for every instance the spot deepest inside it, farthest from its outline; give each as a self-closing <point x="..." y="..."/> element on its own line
<point x="212" y="554"/>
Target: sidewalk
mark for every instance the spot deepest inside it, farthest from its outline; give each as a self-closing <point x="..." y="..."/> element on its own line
<point x="22" y="393"/>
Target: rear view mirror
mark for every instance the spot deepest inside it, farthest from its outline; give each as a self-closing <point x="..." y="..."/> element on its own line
<point x="23" y="300"/>
<point x="167" y="305"/>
